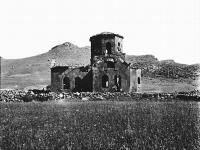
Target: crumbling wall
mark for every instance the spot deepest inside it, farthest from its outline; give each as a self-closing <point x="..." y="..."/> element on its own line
<point x="59" y="73"/>
<point x="135" y="80"/>
<point x="56" y="84"/>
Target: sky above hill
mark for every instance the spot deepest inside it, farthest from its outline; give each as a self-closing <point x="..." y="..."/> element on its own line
<point x="168" y="29"/>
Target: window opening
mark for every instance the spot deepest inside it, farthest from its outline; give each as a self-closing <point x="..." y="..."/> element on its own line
<point x="110" y="64"/>
<point x="138" y="80"/>
<point x="105" y="81"/>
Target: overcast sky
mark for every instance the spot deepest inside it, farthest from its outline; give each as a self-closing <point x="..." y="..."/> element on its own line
<point x="168" y="29"/>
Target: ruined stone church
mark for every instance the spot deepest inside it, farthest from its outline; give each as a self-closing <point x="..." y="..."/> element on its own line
<point x="107" y="72"/>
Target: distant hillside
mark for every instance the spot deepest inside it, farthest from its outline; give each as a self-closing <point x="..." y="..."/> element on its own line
<point x="151" y="67"/>
<point x="68" y="53"/>
<point x="35" y="71"/>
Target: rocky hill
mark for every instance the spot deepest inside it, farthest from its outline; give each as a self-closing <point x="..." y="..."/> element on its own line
<point x="151" y="67"/>
<point x="35" y="71"/>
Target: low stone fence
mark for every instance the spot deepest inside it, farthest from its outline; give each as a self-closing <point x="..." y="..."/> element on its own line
<point x="28" y="96"/>
<point x="23" y="96"/>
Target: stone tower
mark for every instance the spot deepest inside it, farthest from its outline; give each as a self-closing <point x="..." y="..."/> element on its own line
<point x="110" y="72"/>
<point x="106" y="44"/>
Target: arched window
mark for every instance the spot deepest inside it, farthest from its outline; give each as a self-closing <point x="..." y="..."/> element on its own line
<point x="66" y="83"/>
<point x="138" y="80"/>
<point x="110" y="64"/>
<point x="105" y="81"/>
<point x="78" y="83"/>
<point x="108" y="47"/>
<point x="118" y="82"/>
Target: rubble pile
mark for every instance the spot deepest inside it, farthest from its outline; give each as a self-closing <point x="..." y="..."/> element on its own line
<point x="23" y="96"/>
<point x="36" y="95"/>
<point x="192" y="95"/>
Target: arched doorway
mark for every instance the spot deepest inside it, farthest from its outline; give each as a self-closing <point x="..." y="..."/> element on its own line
<point x="108" y="47"/>
<point x="66" y="83"/>
<point x="105" y="81"/>
<point x="78" y="83"/>
<point x="118" y="82"/>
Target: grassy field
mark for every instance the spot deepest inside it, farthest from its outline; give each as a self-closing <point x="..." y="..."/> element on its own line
<point x="168" y="85"/>
<point x="99" y="125"/>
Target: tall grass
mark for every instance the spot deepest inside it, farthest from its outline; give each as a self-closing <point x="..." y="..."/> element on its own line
<point x="99" y="125"/>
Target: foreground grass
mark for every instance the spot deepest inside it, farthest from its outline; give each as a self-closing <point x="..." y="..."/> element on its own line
<point x="99" y="125"/>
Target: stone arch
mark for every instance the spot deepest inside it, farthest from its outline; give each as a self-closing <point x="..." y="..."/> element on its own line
<point x="118" y="82"/>
<point x="109" y="47"/>
<point x="66" y="83"/>
<point x="105" y="81"/>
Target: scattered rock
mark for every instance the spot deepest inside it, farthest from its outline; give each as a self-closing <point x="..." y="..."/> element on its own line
<point x="85" y="98"/>
<point x="28" y="96"/>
